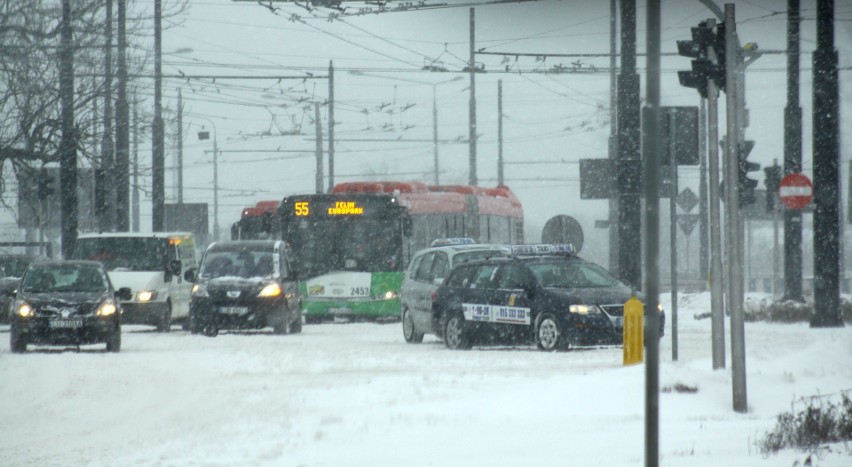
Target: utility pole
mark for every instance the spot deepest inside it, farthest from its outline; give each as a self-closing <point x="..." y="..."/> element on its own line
<point x="330" y="125"/>
<point x="318" y="125"/>
<point x="629" y="162"/>
<point x="104" y="200"/>
<point x="472" y="180"/>
<point x="652" y="232"/>
<point x="793" y="159"/>
<point x="68" y="144"/>
<point x="122" y="130"/>
<point x="499" y="132"/>
<point x="826" y="155"/>
<point x="612" y="145"/>
<point x="179" y="149"/>
<point x="134" y="199"/>
<point x="157" y="129"/>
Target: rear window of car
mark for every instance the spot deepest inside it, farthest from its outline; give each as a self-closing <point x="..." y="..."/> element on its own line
<point x="476" y="255"/>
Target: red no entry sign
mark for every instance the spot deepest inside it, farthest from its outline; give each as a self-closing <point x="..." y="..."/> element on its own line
<point x="796" y="191"/>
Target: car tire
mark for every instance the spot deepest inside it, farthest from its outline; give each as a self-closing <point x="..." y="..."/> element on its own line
<point x="296" y="325"/>
<point x="281" y="322"/>
<point x="194" y="327"/>
<point x="165" y="324"/>
<point x="456" y="337"/>
<point x="113" y="343"/>
<point x="549" y="335"/>
<point x="408" y="331"/>
<point x="17" y="341"/>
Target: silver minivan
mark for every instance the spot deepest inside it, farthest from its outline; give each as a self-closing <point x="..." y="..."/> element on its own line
<point x="426" y="271"/>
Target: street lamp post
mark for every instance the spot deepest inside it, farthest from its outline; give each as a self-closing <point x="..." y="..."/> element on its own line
<point x="203" y="135"/>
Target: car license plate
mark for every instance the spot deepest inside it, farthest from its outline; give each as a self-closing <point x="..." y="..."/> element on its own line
<point x="340" y="311"/>
<point x="233" y="310"/>
<point x="65" y="323"/>
<point x="619" y="323"/>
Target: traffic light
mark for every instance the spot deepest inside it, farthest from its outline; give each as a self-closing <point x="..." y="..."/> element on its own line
<point x="745" y="184"/>
<point x="703" y="39"/>
<point x="772" y="178"/>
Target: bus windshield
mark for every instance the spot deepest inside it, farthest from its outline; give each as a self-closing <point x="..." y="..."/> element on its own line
<point x="360" y="245"/>
<point x="128" y="253"/>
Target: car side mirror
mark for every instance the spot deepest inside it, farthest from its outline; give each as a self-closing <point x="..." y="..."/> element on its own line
<point x="124" y="293"/>
<point x="190" y="275"/>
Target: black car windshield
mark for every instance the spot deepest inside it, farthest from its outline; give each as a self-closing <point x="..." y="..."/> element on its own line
<point x="242" y="262"/>
<point x="572" y="274"/>
<point x="65" y="278"/>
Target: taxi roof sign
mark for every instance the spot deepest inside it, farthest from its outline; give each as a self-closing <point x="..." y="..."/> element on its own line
<point x="453" y="241"/>
<point x="542" y="249"/>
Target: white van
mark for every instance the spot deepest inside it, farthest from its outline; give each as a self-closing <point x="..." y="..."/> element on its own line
<point x="153" y="266"/>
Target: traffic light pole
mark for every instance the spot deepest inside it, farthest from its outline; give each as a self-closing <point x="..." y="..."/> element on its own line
<point x="735" y="278"/>
<point x="717" y="305"/>
<point x="793" y="159"/>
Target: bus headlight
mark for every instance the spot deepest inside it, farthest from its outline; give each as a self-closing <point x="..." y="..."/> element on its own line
<point x="24" y="310"/>
<point x="107" y="308"/>
<point x="199" y="290"/>
<point x="271" y="290"/>
<point x="389" y="295"/>
<point x="146" y="295"/>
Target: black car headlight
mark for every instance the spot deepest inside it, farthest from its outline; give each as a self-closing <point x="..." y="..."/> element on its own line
<point x="583" y="309"/>
<point x="24" y="309"/>
<point x="270" y="290"/>
<point x="199" y="290"/>
<point x="107" y="308"/>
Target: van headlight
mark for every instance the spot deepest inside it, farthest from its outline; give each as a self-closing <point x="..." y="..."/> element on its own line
<point x="146" y="295"/>
<point x="271" y="290"/>
<point x="107" y="308"/>
<point x="583" y="309"/>
<point x="199" y="290"/>
<point x="24" y="310"/>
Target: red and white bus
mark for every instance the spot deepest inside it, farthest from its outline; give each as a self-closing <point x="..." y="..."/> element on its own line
<point x="488" y="215"/>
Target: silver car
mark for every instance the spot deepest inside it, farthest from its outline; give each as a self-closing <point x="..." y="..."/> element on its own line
<point x="425" y="273"/>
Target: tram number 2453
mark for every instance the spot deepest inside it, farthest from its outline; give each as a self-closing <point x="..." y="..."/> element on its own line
<point x="359" y="291"/>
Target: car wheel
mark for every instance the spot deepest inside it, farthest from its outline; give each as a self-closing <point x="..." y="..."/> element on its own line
<point x="549" y="335"/>
<point x="411" y="335"/>
<point x="113" y="343"/>
<point x="455" y="335"/>
<point x="194" y="327"/>
<point x="281" y="322"/>
<point x="211" y="330"/>
<point x="17" y="341"/>
<point x="165" y="324"/>
<point x="296" y="326"/>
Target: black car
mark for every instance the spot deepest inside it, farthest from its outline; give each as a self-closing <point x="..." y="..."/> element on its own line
<point x="66" y="303"/>
<point x="542" y="293"/>
<point x="246" y="284"/>
<point x="12" y="267"/>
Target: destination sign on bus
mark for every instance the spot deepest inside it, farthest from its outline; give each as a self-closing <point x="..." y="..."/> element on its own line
<point x="339" y="208"/>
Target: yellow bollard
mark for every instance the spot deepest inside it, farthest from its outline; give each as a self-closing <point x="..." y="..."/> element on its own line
<point x="634" y="331"/>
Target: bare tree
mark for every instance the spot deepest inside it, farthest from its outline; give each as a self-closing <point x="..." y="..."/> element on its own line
<point x="29" y="81"/>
